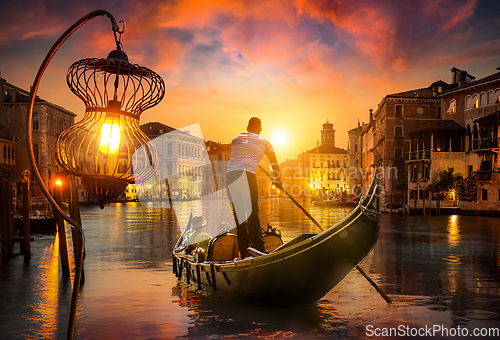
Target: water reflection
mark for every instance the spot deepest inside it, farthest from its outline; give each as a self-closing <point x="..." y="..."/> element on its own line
<point x="451" y="259"/>
<point x="453" y="230"/>
<point x="46" y="308"/>
<point x="220" y="320"/>
<point x="437" y="269"/>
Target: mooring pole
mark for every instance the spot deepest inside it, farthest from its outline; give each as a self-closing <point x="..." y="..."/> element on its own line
<point x="61" y="232"/>
<point x="9" y="216"/>
<point x="74" y="213"/>
<point x="26" y="222"/>
<point x="3" y="219"/>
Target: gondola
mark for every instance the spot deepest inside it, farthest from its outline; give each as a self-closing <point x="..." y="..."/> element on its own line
<point x="296" y="273"/>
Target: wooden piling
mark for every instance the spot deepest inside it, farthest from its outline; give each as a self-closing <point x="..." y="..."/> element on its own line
<point x="423" y="206"/>
<point x="404" y="204"/>
<point x="61" y="232"/>
<point x="74" y="212"/>
<point x="26" y="222"/>
<point x="3" y="219"/>
<point x="9" y="216"/>
<point x="391" y="203"/>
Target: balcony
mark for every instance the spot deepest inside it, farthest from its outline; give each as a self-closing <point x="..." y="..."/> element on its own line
<point x="483" y="175"/>
<point x="422" y="154"/>
<point x="485" y="144"/>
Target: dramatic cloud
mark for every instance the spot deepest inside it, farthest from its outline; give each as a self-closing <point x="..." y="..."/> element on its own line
<point x="237" y="58"/>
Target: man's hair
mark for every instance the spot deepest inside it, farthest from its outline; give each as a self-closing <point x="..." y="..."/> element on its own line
<point x="254" y="124"/>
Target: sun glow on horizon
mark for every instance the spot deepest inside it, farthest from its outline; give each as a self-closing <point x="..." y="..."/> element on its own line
<point x="279" y="138"/>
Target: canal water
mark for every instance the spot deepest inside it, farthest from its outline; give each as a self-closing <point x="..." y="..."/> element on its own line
<point x="440" y="271"/>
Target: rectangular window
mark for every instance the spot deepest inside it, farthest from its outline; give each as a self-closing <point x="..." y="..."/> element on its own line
<point x="438" y="112"/>
<point x="398" y="132"/>
<point x="426" y="171"/>
<point x="421" y="194"/>
<point x="414" y="172"/>
<point x="399" y="111"/>
<point x="398" y="152"/>
<point x="469" y="170"/>
<point x="484" y="194"/>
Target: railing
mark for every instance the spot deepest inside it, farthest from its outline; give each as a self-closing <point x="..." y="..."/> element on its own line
<point x="485" y="143"/>
<point x="39" y="208"/>
<point x="483" y="175"/>
<point x="421" y="154"/>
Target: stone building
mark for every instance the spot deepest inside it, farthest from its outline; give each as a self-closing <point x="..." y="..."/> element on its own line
<point x="397" y="114"/>
<point x="49" y="120"/>
<point x="466" y="139"/>
<point x="214" y="178"/>
<point x="291" y="177"/>
<point x="434" y="147"/>
<point x="8" y="158"/>
<point x="181" y="160"/>
<point x="325" y="167"/>
<point x="475" y="104"/>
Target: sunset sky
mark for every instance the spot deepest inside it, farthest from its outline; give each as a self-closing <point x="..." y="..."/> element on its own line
<point x="293" y="63"/>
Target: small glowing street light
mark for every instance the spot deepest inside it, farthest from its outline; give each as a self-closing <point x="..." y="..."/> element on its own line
<point x="58" y="182"/>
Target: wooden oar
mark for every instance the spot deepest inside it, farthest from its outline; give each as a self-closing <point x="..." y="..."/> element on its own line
<point x="358" y="267"/>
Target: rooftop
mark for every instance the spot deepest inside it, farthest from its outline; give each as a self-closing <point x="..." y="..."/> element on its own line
<point x="438" y="126"/>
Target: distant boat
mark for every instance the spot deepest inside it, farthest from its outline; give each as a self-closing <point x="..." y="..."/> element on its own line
<point x="296" y="273"/>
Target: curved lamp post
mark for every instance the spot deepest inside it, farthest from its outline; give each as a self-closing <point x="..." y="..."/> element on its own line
<point x="102" y="146"/>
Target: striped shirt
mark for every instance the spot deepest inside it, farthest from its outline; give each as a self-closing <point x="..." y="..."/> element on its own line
<point x="247" y="150"/>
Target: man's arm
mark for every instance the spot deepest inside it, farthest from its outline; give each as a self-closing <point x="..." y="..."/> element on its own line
<point x="276" y="174"/>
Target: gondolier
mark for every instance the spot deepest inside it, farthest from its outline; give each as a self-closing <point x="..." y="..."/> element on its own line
<point x="247" y="149"/>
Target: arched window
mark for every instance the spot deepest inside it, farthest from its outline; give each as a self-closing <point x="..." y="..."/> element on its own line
<point x="453" y="106"/>
<point x="34" y="121"/>
<point x="8" y="152"/>
<point x="495" y="96"/>
<point x="475" y="101"/>
<point x="169" y="168"/>
<point x="5" y="151"/>
<point x="483" y="100"/>
<point x="36" y="152"/>
<point x="169" y="149"/>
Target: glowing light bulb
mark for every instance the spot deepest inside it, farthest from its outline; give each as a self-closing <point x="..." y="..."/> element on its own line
<point x="110" y="137"/>
<point x="58" y="182"/>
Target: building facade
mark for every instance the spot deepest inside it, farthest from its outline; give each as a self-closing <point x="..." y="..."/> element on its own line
<point x="475" y="104"/>
<point x="325" y="168"/>
<point x="181" y="161"/>
<point x="214" y="175"/>
<point x="386" y="136"/>
<point x="466" y="140"/>
<point x="49" y="120"/>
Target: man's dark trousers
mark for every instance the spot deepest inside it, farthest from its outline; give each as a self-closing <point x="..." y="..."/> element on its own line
<point x="249" y="232"/>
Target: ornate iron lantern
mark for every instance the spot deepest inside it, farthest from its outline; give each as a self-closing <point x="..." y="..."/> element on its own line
<point x="102" y="146"/>
<point x="107" y="149"/>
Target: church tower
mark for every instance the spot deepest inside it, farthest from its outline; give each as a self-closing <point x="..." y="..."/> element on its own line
<point x="328" y="134"/>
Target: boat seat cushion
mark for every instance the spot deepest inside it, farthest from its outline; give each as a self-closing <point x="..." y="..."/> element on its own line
<point x="272" y="242"/>
<point x="223" y="248"/>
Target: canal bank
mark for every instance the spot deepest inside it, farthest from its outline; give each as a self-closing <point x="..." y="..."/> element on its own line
<point x="439" y="270"/>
